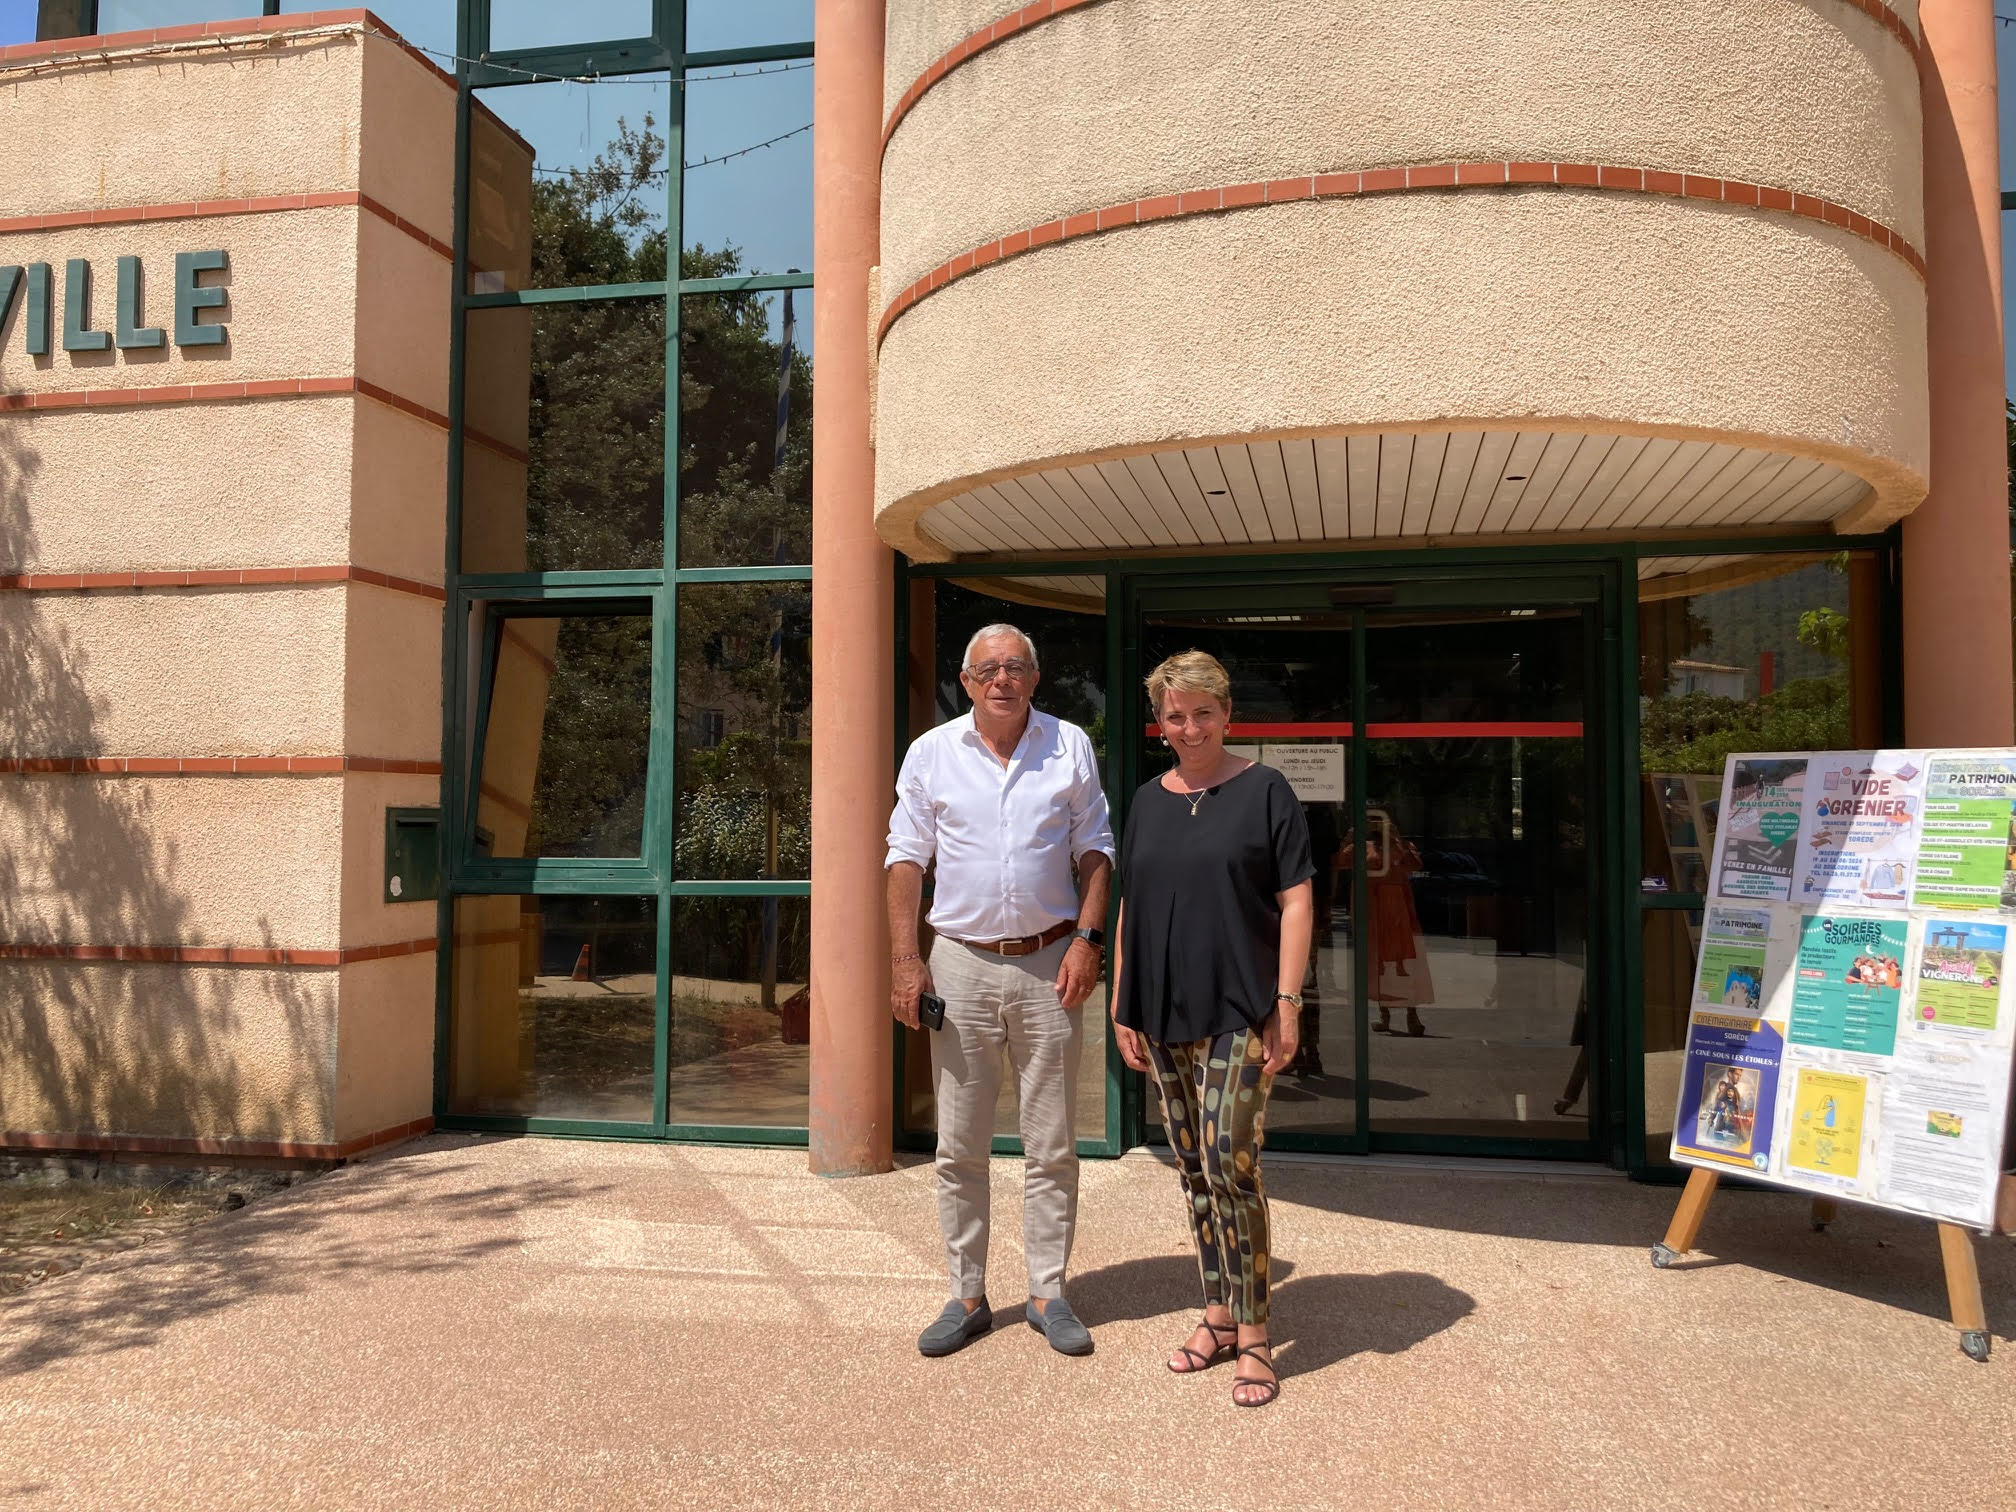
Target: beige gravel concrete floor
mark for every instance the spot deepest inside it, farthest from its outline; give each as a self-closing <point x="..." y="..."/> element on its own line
<point x="548" y="1324"/>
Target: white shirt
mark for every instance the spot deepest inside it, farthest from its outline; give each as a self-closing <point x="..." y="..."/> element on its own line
<point x="1004" y="837"/>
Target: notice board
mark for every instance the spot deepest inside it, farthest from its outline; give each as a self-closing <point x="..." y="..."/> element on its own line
<point x="1850" y="1032"/>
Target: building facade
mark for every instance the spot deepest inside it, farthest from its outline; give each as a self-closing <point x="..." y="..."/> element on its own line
<point x="1530" y="404"/>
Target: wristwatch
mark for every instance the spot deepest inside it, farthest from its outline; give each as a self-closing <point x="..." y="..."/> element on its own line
<point x="1292" y="999"/>
<point x="1093" y="937"/>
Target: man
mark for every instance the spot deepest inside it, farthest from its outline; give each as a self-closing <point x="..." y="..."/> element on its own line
<point x="1006" y="801"/>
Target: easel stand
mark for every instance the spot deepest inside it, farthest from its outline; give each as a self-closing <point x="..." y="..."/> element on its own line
<point x="1956" y="1248"/>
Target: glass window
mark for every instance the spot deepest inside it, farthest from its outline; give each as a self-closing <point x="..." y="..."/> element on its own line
<point x="745" y="429"/>
<point x="1670" y="938"/>
<point x="566" y="744"/>
<point x="748" y="179"/>
<point x="567" y="183"/>
<point x="137" y="15"/>
<point x="1745" y="653"/>
<point x="715" y="24"/>
<point x="1065" y="616"/>
<point x="554" y="1009"/>
<point x="741" y="1011"/>
<point x="563" y="452"/>
<point x="541" y="23"/>
<point x="745" y="731"/>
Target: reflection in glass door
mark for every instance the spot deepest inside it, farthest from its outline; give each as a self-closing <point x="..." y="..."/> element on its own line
<point x="1453" y="854"/>
<point x="1476" y="867"/>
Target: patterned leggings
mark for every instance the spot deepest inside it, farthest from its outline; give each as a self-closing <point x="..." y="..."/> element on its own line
<point x="1214" y="1107"/>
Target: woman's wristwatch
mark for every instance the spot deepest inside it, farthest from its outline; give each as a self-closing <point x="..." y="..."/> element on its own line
<point x="1292" y="999"/>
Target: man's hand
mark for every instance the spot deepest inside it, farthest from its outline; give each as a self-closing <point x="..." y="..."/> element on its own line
<point x="1281" y="1036"/>
<point x="1077" y="973"/>
<point x="908" y="980"/>
<point x="1132" y="1049"/>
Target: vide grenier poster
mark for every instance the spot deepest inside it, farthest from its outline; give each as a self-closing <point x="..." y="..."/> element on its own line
<point x="1851" y="1030"/>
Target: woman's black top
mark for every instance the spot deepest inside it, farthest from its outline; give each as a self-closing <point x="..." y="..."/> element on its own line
<point x="1200" y="942"/>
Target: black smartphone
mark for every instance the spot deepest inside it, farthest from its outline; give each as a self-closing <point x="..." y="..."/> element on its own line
<point x="930" y="1010"/>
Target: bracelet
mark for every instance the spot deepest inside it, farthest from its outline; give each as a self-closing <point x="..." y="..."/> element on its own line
<point x="899" y="960"/>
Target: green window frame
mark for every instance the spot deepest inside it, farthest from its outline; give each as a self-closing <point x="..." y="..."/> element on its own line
<point x="653" y="590"/>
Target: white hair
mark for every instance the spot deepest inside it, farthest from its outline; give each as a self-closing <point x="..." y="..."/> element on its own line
<point x="989" y="632"/>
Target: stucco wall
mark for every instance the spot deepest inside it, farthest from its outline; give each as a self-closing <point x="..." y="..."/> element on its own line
<point x="1630" y="311"/>
<point x="334" y="671"/>
<point x="1813" y="95"/>
<point x="136" y="1049"/>
<point x="181" y="861"/>
<point x="211" y="125"/>
<point x="123" y="490"/>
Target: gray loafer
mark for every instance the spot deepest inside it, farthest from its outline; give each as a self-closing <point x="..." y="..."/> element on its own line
<point x="1057" y="1323"/>
<point x="955" y="1329"/>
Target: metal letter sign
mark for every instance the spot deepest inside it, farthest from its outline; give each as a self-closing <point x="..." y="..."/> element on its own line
<point x="78" y="334"/>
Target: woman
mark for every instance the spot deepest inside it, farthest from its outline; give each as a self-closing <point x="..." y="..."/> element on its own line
<point x="1214" y="937"/>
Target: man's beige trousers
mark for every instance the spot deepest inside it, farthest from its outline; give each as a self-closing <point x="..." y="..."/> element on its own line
<point x="995" y="1003"/>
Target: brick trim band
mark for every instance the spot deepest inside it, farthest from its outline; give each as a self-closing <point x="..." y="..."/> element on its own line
<point x="217" y="577"/>
<point x="210" y="766"/>
<point x="126" y="215"/>
<point x="268" y="388"/>
<point x="12" y="1141"/>
<point x="971" y="45"/>
<point x="217" y="955"/>
<point x="1015" y="22"/>
<point x="1425" y="176"/>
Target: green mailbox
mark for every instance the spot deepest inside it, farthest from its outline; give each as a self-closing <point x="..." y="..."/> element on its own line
<point x="412" y="854"/>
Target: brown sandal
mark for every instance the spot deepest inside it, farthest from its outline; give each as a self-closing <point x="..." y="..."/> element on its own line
<point x="1272" y="1388"/>
<point x="1205" y="1362"/>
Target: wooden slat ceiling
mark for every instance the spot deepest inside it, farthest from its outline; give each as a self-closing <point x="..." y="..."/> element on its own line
<point x="1391" y="487"/>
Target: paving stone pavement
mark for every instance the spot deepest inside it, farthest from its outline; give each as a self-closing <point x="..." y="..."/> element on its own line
<point x="522" y="1323"/>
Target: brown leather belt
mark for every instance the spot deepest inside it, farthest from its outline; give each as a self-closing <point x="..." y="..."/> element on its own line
<point x="1026" y="944"/>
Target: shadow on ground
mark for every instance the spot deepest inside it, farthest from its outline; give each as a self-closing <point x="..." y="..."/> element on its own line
<point x="1318" y="1320"/>
<point x="289" y="1244"/>
<point x="1884" y="1257"/>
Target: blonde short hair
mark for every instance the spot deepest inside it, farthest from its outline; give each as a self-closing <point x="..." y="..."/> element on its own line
<point x="1190" y="672"/>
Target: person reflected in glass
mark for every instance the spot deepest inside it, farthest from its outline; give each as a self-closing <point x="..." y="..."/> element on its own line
<point x="1399" y="955"/>
<point x="1324" y="840"/>
<point x="1214" y="930"/>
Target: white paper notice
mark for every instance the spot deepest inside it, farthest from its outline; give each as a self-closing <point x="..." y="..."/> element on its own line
<point x="1315" y="772"/>
<point x="1940" y="1134"/>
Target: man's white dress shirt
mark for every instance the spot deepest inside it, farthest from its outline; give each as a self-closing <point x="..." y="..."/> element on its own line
<point x="1005" y="838"/>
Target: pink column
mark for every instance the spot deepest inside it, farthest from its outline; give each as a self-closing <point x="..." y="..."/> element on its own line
<point x="1957" y="662"/>
<point x="853" y="620"/>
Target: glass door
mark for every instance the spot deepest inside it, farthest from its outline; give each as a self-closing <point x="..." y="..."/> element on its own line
<point x="1438" y="737"/>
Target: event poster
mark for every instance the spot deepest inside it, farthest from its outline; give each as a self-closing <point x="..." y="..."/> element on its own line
<point x="1861" y="834"/>
<point x="1966" y="851"/>
<point x="1848" y="983"/>
<point x="1960" y="974"/>
<point x="1735" y="945"/>
<point x="1729" y="1090"/>
<point x="1826" y="1125"/>
<point x="1759" y="839"/>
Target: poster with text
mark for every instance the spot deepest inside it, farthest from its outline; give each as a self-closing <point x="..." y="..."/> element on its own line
<point x="1960" y="975"/>
<point x="1940" y="1136"/>
<point x="1966" y="848"/>
<point x="1735" y="949"/>
<point x="1848" y="983"/>
<point x="1861" y="831"/>
<point x="1824" y="1144"/>
<point x="1728" y="1091"/>
<point x="1758" y="842"/>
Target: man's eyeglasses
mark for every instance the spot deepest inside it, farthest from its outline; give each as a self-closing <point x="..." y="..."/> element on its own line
<point x="986" y="672"/>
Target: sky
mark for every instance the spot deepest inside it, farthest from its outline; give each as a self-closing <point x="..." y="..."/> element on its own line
<point x="760" y="201"/>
